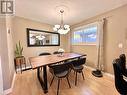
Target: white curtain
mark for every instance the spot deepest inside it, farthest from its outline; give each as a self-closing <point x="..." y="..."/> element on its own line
<point x="100" y="46"/>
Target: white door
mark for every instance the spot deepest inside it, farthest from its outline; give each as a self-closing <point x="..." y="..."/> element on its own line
<point x="1" y="79"/>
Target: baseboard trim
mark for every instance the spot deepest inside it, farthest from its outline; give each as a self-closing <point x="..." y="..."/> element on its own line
<point x="7" y="91"/>
<point x="105" y="73"/>
<point x="110" y="75"/>
<point x="91" y="68"/>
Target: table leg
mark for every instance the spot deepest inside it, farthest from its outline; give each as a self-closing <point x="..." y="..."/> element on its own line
<point x="38" y="73"/>
<point x="43" y="81"/>
<point x="39" y="78"/>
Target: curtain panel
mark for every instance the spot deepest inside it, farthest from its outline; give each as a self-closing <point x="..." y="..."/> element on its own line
<point x="100" y="45"/>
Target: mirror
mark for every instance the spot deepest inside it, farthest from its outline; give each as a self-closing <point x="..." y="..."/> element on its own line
<point x="42" y="38"/>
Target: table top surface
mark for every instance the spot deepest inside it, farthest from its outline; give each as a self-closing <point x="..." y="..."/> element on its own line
<point x="40" y="61"/>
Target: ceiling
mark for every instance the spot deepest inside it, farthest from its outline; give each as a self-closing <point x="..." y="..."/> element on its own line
<point x="47" y="11"/>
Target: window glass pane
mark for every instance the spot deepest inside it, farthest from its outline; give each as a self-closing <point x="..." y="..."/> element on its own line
<point x="85" y="35"/>
<point x="91" y="34"/>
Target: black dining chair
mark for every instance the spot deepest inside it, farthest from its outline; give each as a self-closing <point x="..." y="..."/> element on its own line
<point x="44" y="53"/>
<point x="61" y="71"/>
<point x="77" y="66"/>
<point x="56" y="52"/>
<point x="123" y="64"/>
<point x="50" y="66"/>
<point x="120" y="83"/>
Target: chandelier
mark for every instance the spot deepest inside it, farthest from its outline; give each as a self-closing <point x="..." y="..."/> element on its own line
<point x="62" y="29"/>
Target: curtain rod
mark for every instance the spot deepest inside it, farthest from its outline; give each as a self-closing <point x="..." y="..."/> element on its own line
<point x="101" y="18"/>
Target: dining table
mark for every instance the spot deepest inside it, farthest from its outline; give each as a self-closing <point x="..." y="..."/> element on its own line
<point x="41" y="62"/>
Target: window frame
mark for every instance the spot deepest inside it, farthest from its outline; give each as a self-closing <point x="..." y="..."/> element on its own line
<point x="81" y="28"/>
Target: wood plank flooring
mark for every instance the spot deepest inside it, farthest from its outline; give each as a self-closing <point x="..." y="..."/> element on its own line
<point x="27" y="84"/>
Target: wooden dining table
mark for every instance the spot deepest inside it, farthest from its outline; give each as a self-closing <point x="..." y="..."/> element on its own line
<point x="39" y="62"/>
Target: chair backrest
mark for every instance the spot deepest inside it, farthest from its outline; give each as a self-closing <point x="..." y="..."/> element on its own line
<point x="44" y="53"/>
<point x="58" y="68"/>
<point x="56" y="52"/>
<point x="123" y="58"/>
<point x="80" y="61"/>
<point x="123" y="63"/>
<point x="120" y="83"/>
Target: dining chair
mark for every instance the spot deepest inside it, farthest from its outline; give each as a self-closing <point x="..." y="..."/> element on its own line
<point x="120" y="83"/>
<point x="44" y="53"/>
<point x="56" y="52"/>
<point x="61" y="71"/>
<point x="123" y="64"/>
<point x="77" y="66"/>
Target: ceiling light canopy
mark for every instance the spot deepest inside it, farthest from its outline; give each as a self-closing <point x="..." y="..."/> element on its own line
<point x="62" y="29"/>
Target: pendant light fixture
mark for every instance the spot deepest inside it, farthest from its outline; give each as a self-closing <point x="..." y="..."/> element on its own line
<point x="62" y="29"/>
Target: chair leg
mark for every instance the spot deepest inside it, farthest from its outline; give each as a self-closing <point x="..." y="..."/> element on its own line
<point x="83" y="75"/>
<point x="76" y="78"/>
<point x="41" y="68"/>
<point x="52" y="80"/>
<point x="74" y="72"/>
<point x="70" y="70"/>
<point x="68" y="82"/>
<point x="58" y="86"/>
<point x="21" y="67"/>
<point x="25" y="65"/>
<point x="15" y="66"/>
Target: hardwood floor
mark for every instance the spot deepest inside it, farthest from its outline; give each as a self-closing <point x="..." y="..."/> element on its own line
<point x="27" y="84"/>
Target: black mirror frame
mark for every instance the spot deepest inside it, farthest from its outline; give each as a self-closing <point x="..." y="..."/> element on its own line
<point x="28" y="40"/>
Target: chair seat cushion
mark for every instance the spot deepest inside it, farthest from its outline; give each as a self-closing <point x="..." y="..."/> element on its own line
<point x="62" y="74"/>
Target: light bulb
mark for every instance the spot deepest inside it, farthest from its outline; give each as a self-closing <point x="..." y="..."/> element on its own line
<point x="57" y="26"/>
<point x="66" y="26"/>
<point x="61" y="31"/>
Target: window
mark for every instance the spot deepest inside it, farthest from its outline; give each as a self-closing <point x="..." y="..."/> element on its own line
<point x="86" y="35"/>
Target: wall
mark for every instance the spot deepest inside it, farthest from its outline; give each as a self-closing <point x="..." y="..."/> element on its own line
<point x="6" y="53"/>
<point x="20" y="25"/>
<point x="115" y="32"/>
<point x="1" y="72"/>
<point x="1" y="78"/>
<point x="10" y="41"/>
<point x="4" y="56"/>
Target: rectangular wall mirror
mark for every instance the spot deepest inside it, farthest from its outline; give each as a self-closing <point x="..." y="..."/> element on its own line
<point x="42" y="38"/>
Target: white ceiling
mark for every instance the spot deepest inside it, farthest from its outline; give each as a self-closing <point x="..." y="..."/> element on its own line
<point x="47" y="11"/>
